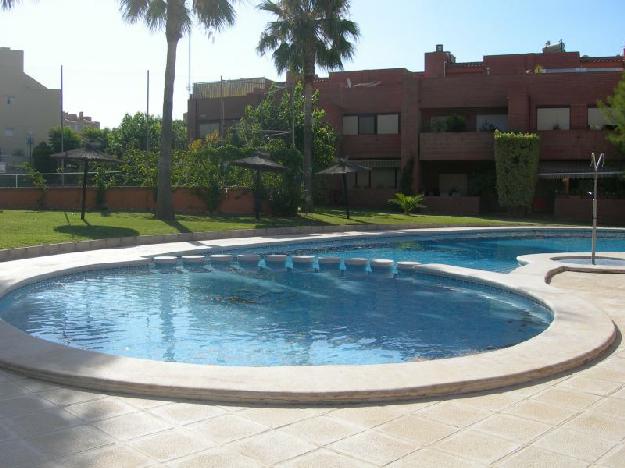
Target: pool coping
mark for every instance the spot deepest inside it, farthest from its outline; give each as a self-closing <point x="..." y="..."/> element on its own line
<point x="578" y="334"/>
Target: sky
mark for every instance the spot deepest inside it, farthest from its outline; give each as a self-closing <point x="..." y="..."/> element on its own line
<point x="105" y="59"/>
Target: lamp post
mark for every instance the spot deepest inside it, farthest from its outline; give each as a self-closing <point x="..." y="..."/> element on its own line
<point x="29" y="143"/>
<point x="595" y="164"/>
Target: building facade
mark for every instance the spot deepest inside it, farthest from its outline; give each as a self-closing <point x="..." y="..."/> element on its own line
<point x="28" y="110"/>
<point x="78" y="122"/>
<point x="439" y="122"/>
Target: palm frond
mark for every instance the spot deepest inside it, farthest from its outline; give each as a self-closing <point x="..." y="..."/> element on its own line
<point x="214" y="14"/>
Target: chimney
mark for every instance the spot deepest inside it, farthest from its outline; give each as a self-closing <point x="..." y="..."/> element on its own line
<point x="80" y="114"/>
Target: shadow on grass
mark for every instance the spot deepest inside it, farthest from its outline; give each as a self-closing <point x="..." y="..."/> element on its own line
<point x="90" y="231"/>
<point x="177" y="226"/>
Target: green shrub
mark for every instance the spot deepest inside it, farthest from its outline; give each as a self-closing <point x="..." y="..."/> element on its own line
<point x="407" y="203"/>
<point x="516" y="164"/>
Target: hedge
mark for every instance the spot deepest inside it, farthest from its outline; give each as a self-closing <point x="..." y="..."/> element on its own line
<point x="516" y="163"/>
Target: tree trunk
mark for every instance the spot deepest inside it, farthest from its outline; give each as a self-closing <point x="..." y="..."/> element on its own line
<point x="309" y="76"/>
<point x="164" y="200"/>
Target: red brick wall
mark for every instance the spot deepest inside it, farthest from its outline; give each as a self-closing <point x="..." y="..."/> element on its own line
<point x="466" y="146"/>
<point x="610" y="212"/>
<point x="459" y="206"/>
<point x="235" y="201"/>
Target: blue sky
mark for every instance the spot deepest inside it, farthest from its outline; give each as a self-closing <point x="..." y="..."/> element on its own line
<point x="105" y="59"/>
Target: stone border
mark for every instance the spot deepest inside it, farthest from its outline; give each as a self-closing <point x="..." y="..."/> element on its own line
<point x="578" y="334"/>
<point x="552" y="265"/>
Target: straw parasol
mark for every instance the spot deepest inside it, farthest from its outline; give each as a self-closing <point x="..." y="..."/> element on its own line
<point x="91" y="152"/>
<point x="259" y="162"/>
<point x="342" y="168"/>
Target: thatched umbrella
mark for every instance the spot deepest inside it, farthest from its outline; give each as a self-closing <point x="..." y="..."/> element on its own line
<point x="259" y="162"/>
<point x="342" y="168"/>
<point x="90" y="152"/>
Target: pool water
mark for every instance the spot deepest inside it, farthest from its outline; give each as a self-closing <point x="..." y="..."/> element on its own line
<point x="266" y="318"/>
<point x="491" y="252"/>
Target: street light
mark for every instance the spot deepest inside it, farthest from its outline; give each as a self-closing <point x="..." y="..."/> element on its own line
<point x="596" y="164"/>
<point x="29" y="142"/>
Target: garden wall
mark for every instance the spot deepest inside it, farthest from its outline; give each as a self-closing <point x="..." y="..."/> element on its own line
<point x="234" y="202"/>
<point x="610" y="211"/>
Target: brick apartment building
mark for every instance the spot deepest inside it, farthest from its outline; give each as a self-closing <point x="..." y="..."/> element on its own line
<point x="443" y="117"/>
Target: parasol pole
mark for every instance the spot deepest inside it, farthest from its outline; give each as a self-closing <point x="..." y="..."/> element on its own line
<point x="257" y="196"/>
<point x="344" y="177"/>
<point x="84" y="190"/>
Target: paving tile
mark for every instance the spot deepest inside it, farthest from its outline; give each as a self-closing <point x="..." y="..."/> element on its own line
<point x="541" y="412"/>
<point x="492" y="401"/>
<point x="11" y="390"/>
<point x="17" y="453"/>
<point x="16" y="407"/>
<point x="477" y="446"/>
<point x="575" y="444"/>
<point x="105" y="408"/>
<point x="33" y="424"/>
<point x="324" y="458"/>
<point x="615" y="458"/>
<point x="185" y="413"/>
<point x="373" y="447"/>
<point x="512" y="427"/>
<point x="432" y="458"/>
<point x="69" y="396"/>
<point x="172" y="444"/>
<point x="5" y="432"/>
<point x="113" y="456"/>
<point x="37" y="386"/>
<point x="69" y="441"/>
<point x="566" y="398"/>
<point x="272" y="447"/>
<point x="217" y="458"/>
<point x="143" y="403"/>
<point x="612" y="407"/>
<point x="588" y="385"/>
<point x="605" y="373"/>
<point x="368" y="416"/>
<point x="278" y="417"/>
<point x="454" y="414"/>
<point x="416" y="430"/>
<point x="132" y="425"/>
<point x="598" y="425"/>
<point x="226" y="428"/>
<point x="322" y="430"/>
<point x="619" y="394"/>
<point x="534" y="457"/>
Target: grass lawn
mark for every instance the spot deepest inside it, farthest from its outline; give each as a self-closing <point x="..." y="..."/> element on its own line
<point x="21" y="228"/>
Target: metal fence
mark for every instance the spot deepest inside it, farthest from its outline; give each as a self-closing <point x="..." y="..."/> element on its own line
<point x="53" y="179"/>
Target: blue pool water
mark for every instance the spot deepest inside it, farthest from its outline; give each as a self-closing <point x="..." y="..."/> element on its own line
<point x="494" y="253"/>
<point x="267" y="318"/>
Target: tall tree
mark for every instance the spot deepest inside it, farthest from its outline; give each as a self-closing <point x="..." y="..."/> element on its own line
<point x="614" y="110"/>
<point x="306" y="33"/>
<point x="175" y="17"/>
<point x="6" y="4"/>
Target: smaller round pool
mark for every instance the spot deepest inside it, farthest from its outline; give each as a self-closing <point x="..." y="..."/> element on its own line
<point x="249" y="318"/>
<point x="599" y="261"/>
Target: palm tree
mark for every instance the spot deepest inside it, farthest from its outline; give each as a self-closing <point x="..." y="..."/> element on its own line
<point x="7" y="4"/>
<point x="176" y="17"/>
<point x="304" y="34"/>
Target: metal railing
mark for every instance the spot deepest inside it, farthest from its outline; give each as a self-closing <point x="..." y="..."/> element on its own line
<point x="53" y="179"/>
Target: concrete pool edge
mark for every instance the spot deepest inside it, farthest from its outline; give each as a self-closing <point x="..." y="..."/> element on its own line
<point x="577" y="335"/>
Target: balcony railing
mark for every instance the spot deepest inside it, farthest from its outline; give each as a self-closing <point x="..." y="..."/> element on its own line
<point x="456" y="146"/>
<point x="574" y="144"/>
<point x="371" y="146"/>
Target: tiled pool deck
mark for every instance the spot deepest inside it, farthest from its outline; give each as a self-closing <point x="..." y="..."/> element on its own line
<point x="577" y="419"/>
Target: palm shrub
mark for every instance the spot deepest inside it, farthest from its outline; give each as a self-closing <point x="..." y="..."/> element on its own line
<point x="407" y="203"/>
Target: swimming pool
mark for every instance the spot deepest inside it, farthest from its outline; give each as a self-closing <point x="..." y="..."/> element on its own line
<point x="264" y="318"/>
<point x="495" y="251"/>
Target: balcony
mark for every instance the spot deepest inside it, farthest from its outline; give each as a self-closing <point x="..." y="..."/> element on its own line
<point x="371" y="146"/>
<point x="456" y="146"/>
<point x="574" y="144"/>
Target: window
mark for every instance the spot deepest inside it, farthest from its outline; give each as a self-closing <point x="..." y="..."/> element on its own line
<point x="491" y="122"/>
<point x="597" y="119"/>
<point x="350" y="125"/>
<point x="10" y="100"/>
<point x="366" y="125"/>
<point x="553" y="118"/>
<point x="209" y="128"/>
<point x="388" y="124"/>
<point x="384" y="178"/>
<point x="9" y="132"/>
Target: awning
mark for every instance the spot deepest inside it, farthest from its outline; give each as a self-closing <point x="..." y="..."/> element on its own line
<point x="378" y="163"/>
<point x="577" y="170"/>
